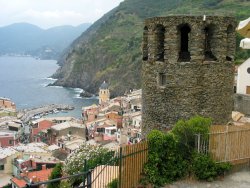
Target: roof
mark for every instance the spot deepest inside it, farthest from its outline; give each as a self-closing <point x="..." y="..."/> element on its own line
<point x="45" y="159"/>
<point x="31" y="148"/>
<point x="19" y="182"/>
<point x="6" y="152"/>
<point x="53" y="147"/>
<point x="104" y="85"/>
<point x="66" y="125"/>
<point x="42" y="175"/>
<point x="90" y="107"/>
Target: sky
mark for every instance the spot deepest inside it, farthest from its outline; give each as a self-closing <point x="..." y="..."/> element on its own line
<point x="50" y="13"/>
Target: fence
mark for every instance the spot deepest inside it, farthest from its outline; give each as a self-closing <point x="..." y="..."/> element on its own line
<point x="123" y="170"/>
<point x="226" y="143"/>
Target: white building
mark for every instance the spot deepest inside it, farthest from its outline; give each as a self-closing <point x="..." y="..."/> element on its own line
<point x="243" y="80"/>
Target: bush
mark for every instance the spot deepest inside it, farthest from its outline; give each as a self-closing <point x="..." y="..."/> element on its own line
<point x="56" y="173"/>
<point x="113" y="184"/>
<point x="165" y="164"/>
<point x="186" y="131"/>
<point x="205" y="168"/>
<point x="94" y="155"/>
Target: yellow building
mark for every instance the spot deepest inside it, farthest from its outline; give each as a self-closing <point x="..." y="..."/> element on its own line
<point x="104" y="94"/>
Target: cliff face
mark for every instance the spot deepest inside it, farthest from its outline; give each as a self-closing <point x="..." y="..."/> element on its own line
<point x="110" y="49"/>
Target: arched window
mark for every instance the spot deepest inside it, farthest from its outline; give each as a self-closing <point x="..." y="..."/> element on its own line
<point x="184" y="54"/>
<point x="160" y="36"/>
<point x="230" y="32"/>
<point x="209" y="35"/>
<point x="145" y="44"/>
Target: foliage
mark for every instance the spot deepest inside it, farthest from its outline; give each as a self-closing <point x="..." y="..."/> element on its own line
<point x="186" y="131"/>
<point x="8" y="186"/>
<point x="164" y="165"/>
<point x="113" y="184"/>
<point x="205" y="168"/>
<point x="172" y="155"/>
<point x="65" y="184"/>
<point x="111" y="46"/>
<point x="56" y="173"/>
<point x="93" y="155"/>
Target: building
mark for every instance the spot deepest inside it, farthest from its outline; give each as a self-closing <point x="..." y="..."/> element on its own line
<point x="38" y="127"/>
<point x="104" y="94"/>
<point x="187" y="69"/>
<point x="7" y="104"/>
<point x="243" y="79"/>
<point x="31" y="177"/>
<point x="7" y="156"/>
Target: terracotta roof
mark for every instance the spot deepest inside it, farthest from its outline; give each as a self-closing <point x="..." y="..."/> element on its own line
<point x="42" y="175"/>
<point x="19" y="182"/>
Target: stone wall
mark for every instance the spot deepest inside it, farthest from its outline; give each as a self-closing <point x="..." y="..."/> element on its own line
<point x="183" y="77"/>
<point x="242" y="103"/>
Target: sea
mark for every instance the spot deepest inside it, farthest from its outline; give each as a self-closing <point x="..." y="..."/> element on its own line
<point x="25" y="81"/>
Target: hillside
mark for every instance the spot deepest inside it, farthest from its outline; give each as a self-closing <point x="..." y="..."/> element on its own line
<point x="110" y="49"/>
<point x="24" y="38"/>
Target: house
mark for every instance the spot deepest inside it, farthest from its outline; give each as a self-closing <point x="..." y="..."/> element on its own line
<point x="243" y="79"/>
<point x="67" y="129"/>
<point x="90" y="113"/>
<point x="8" y="138"/>
<point x="37" y="127"/>
<point x="115" y="116"/>
<point x="7" y="156"/>
<point x="6" y="103"/>
<point x="31" y="177"/>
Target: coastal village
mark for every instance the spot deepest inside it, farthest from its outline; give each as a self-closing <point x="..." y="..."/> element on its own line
<point x="31" y="147"/>
<point x="32" y="144"/>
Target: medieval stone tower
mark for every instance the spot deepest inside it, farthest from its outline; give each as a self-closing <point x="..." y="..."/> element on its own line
<point x="187" y="69"/>
<point x="104" y="94"/>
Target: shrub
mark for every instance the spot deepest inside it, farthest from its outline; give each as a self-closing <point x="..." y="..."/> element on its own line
<point x="113" y="184"/>
<point x="56" y="173"/>
<point x="165" y="164"/>
<point x="94" y="155"/>
<point x="186" y="131"/>
<point x="205" y="168"/>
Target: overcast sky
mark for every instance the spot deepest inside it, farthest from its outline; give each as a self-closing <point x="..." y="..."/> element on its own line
<point x="49" y="13"/>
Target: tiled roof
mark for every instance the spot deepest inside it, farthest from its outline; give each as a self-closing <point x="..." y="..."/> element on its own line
<point x="19" y="182"/>
<point x="42" y="175"/>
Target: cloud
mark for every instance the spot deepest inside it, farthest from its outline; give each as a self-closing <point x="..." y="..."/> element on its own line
<point x="48" y="13"/>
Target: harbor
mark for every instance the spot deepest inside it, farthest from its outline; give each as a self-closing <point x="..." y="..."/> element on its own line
<point x="28" y="114"/>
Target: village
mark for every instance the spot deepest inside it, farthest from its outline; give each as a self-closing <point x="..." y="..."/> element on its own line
<point x="30" y="147"/>
<point x="39" y="144"/>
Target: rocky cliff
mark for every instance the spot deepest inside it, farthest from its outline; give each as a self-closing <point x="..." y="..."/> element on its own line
<point x="110" y="49"/>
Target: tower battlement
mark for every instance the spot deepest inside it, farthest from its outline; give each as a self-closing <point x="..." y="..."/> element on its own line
<point x="187" y="69"/>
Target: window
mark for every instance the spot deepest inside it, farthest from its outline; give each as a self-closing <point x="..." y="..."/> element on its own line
<point x="230" y="34"/>
<point x="209" y="34"/>
<point x="162" y="79"/>
<point x="11" y="142"/>
<point x="160" y="36"/>
<point x="1" y="167"/>
<point x="184" y="54"/>
<point x="145" y="44"/>
<point x="70" y="132"/>
<point x="248" y="70"/>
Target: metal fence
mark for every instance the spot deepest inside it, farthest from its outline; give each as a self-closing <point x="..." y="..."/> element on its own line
<point x="226" y="143"/>
<point x="122" y="171"/>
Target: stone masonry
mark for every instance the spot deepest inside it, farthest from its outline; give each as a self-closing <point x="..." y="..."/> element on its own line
<point x="187" y="69"/>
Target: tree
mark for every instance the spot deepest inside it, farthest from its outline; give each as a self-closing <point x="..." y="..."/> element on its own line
<point x="93" y="155"/>
<point x="56" y="173"/>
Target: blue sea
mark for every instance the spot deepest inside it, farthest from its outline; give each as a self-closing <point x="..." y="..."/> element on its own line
<point x="24" y="80"/>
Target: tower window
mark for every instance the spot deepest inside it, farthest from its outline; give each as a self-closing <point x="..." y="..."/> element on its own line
<point x="209" y="34"/>
<point x="145" y="44"/>
<point x="162" y="79"/>
<point x="230" y="32"/>
<point x="184" y="54"/>
<point x="160" y="37"/>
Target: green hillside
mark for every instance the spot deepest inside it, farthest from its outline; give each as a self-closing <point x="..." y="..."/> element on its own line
<point x="110" y="49"/>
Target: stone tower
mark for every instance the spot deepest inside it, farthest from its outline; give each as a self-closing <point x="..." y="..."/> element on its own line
<point x="187" y="69"/>
<point x="104" y="94"/>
